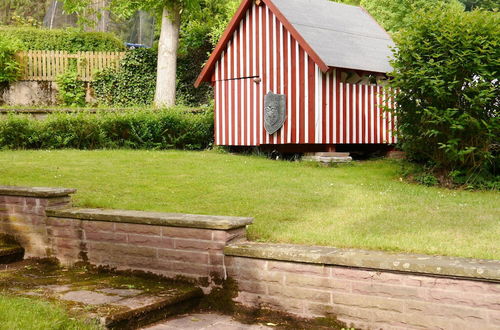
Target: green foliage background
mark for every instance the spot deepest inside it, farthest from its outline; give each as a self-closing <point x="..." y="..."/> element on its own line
<point x="9" y="66"/>
<point x="71" y="90"/>
<point x="134" y="129"/>
<point x="447" y="70"/>
<point x="71" y="40"/>
<point x="133" y="83"/>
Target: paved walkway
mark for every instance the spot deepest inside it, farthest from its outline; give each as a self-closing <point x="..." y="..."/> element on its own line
<point x="205" y="321"/>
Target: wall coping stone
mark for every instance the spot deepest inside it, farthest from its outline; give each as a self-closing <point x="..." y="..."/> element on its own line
<point x="43" y="192"/>
<point x="153" y="218"/>
<point x="479" y="269"/>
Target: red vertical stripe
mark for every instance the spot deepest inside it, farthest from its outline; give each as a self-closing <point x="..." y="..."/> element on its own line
<point x="312" y="89"/>
<point x="285" y="84"/>
<point x="302" y="96"/>
<point x="332" y="106"/>
<point x="294" y="64"/>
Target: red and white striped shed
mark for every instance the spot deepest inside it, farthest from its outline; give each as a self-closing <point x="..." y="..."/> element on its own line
<point x="324" y="56"/>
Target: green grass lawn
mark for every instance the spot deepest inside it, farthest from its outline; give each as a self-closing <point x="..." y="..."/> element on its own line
<point x="18" y="313"/>
<point x="363" y="205"/>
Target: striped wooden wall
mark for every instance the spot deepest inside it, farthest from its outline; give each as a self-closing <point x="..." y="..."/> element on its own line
<point x="320" y="109"/>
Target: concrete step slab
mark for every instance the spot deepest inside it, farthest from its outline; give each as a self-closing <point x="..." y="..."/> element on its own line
<point x="116" y="300"/>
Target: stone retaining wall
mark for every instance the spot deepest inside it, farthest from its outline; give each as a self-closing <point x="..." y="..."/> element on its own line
<point x="365" y="289"/>
<point x="383" y="298"/>
<point x="164" y="243"/>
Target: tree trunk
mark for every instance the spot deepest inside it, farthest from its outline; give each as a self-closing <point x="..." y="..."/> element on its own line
<point x="167" y="58"/>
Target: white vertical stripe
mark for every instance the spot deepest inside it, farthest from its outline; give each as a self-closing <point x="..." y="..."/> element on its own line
<point x="217" y="103"/>
<point x="223" y="84"/>
<point x="384" y="115"/>
<point x="372" y="115"/>
<point x="289" y="101"/>
<point x="327" y="110"/>
<point x="378" y="114"/>
<point x="367" y="124"/>
<point x="229" y="85"/>
<point x="389" y="117"/>
<point x="335" y="106"/>
<point x="234" y="88"/>
<point x="318" y="105"/>
<point x="341" y="115"/>
<point x="347" y="113"/>
<point x="261" y="73"/>
<point x="268" y="78"/>
<point x="297" y="93"/>
<point x="306" y="98"/>
<point x="247" y="81"/>
<point x="254" y="69"/>
<point x="360" y="114"/>
<point x="354" y="115"/>
<point x="241" y="83"/>
<point x="275" y="67"/>
<point x="282" y="77"/>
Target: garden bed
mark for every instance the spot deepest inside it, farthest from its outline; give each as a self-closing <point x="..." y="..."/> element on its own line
<point x="363" y="205"/>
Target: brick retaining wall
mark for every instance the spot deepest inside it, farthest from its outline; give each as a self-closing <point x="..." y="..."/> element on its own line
<point x="365" y="289"/>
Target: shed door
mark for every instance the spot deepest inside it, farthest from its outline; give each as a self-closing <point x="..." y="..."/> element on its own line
<point x="238" y="111"/>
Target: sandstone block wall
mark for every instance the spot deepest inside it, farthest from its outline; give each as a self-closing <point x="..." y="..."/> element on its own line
<point x="366" y="299"/>
<point x="169" y="251"/>
<point x="42" y="220"/>
<point x="24" y="218"/>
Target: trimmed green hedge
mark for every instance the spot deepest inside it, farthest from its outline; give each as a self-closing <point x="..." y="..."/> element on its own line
<point x="70" y="40"/>
<point x="144" y="129"/>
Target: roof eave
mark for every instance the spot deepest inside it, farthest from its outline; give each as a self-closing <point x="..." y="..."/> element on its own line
<point x="207" y="69"/>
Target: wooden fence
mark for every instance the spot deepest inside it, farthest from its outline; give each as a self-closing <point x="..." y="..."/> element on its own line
<point x="45" y="65"/>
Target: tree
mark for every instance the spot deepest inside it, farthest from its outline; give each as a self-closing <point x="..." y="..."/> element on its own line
<point x="446" y="70"/>
<point x="170" y="12"/>
<point x="394" y="15"/>
<point x="28" y="12"/>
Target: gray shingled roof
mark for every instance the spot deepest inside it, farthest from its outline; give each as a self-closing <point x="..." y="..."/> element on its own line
<point x="343" y="36"/>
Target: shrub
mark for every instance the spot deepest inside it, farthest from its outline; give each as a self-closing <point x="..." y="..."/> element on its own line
<point x="446" y="70"/>
<point x="71" y="89"/>
<point x="9" y="66"/>
<point x="70" y="40"/>
<point x="133" y="83"/>
<point x="145" y="129"/>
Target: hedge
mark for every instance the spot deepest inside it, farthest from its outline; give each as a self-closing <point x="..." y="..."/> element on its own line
<point x="70" y="40"/>
<point x="144" y="129"/>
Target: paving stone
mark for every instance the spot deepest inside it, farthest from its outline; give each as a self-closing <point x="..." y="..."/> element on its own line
<point x="121" y="292"/>
<point x="89" y="297"/>
<point x="205" y="321"/>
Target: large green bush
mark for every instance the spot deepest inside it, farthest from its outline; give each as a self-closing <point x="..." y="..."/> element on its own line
<point x="447" y="70"/>
<point x="132" y="83"/>
<point x="146" y="129"/>
<point x="9" y="66"/>
<point x="71" y="40"/>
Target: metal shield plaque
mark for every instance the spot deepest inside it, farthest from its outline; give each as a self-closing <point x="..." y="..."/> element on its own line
<point x="274" y="112"/>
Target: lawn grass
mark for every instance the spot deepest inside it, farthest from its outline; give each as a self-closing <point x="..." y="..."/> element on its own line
<point x="33" y="314"/>
<point x="363" y="205"/>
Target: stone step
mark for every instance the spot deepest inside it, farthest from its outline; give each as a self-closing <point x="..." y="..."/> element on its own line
<point x="327" y="159"/>
<point x="10" y="251"/>
<point x="116" y="300"/>
<point x="147" y="309"/>
<point x="328" y="154"/>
